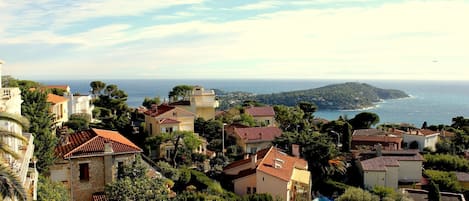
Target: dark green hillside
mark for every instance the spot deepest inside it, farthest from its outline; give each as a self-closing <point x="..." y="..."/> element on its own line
<point x="350" y="95"/>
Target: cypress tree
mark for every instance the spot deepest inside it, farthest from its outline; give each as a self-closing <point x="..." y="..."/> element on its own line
<point x="434" y="192"/>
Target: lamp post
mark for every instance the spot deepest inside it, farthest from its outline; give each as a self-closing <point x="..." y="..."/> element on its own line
<point x="338" y="138"/>
<point x="223" y="139"/>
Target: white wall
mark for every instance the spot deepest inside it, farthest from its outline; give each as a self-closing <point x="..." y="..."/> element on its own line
<point x="410" y="170"/>
<point x="374" y="178"/>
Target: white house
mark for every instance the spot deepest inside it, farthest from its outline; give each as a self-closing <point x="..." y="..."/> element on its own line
<point x="389" y="168"/>
<point x="78" y="104"/>
<point x="424" y="138"/>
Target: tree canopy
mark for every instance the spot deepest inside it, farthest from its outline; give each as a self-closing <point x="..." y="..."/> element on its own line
<point x="364" y="120"/>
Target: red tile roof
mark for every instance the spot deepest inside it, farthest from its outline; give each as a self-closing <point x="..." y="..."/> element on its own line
<point x="92" y="142"/>
<point x="424" y="132"/>
<point x="54" y="99"/>
<point x="265" y="111"/>
<point x="266" y="159"/>
<point x="160" y="109"/>
<point x="384" y="139"/>
<point x="255" y="134"/>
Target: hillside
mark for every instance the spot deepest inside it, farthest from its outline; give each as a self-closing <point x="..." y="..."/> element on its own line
<point x="350" y="95"/>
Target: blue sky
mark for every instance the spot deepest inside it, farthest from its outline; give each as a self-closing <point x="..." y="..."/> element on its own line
<point x="198" y="39"/>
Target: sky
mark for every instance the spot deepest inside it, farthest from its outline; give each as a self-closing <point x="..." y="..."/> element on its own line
<point x="213" y="39"/>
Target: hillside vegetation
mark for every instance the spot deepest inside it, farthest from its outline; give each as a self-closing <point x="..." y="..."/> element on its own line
<point x="345" y="96"/>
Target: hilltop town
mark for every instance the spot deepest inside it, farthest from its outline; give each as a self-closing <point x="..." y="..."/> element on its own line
<point x="57" y="145"/>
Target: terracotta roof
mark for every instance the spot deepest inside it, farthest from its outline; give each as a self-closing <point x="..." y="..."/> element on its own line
<point x="372" y="132"/>
<point x="63" y="87"/>
<point x="260" y="111"/>
<point x="424" y="132"/>
<point x="169" y="121"/>
<point x="266" y="160"/>
<point x="160" y="109"/>
<point x="287" y="164"/>
<point x="368" y="138"/>
<point x="255" y="134"/>
<point x="260" y="154"/>
<point x="54" y="99"/>
<point x="92" y="142"/>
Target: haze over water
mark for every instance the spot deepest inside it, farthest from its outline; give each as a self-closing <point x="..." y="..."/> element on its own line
<point x="436" y="102"/>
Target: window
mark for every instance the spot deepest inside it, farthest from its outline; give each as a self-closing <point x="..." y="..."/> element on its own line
<point x="254" y="190"/>
<point x="120" y="169"/>
<point x="84" y="172"/>
<point x="248" y="190"/>
<point x="253" y="150"/>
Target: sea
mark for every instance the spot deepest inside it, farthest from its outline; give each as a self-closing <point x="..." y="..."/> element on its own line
<point x="435" y="102"/>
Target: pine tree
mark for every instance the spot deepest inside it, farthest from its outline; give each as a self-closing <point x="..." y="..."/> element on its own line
<point x="36" y="108"/>
<point x="434" y="192"/>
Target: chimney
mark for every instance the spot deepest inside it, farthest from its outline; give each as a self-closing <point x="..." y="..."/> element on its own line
<point x="154" y="107"/>
<point x="253" y="160"/>
<point x="108" y="147"/>
<point x="295" y="150"/>
<point x="378" y="148"/>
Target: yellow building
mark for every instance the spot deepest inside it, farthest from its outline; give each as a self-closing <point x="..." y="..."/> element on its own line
<point x="166" y="119"/>
<point x="88" y="160"/>
<point x="201" y="102"/>
<point x="59" y="107"/>
<point x="271" y="171"/>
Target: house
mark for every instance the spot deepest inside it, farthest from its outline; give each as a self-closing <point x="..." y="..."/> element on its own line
<point x="390" y="168"/>
<point x="201" y="102"/>
<point x="166" y="119"/>
<point x="264" y="115"/>
<point x="271" y="171"/>
<point x="88" y="160"/>
<point x="368" y="138"/>
<point x="59" y="107"/>
<point x="252" y="139"/>
<point x="422" y="195"/>
<point x="78" y="104"/>
<point x="12" y="121"/>
<point x="422" y="138"/>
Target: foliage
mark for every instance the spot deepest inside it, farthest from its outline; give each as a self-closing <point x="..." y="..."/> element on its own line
<point x="434" y="192"/>
<point x="10" y="184"/>
<point x="288" y="117"/>
<point x="349" y="95"/>
<point x="447" y="181"/>
<point x="36" y="109"/>
<point x="308" y="109"/>
<point x="357" y="194"/>
<point x="147" y="102"/>
<point x="384" y="192"/>
<point x="9" y="81"/>
<point x="134" y="184"/>
<point x="444" y="146"/>
<point x="48" y="190"/>
<point x="258" y="197"/>
<point x="180" y="92"/>
<point x="79" y="121"/>
<point x="344" y="129"/>
<point x="110" y="106"/>
<point x="330" y="187"/>
<point x="446" y="162"/>
<point x="246" y="120"/>
<point x="364" y="120"/>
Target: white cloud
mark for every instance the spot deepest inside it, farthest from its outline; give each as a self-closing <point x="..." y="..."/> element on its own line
<point x="260" y="5"/>
<point x="397" y="40"/>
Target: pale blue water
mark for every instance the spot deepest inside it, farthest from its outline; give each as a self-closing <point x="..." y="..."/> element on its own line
<point x="433" y="101"/>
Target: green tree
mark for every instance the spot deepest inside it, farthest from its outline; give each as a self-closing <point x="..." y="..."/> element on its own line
<point x="135" y="185"/>
<point x="79" y="121"/>
<point x="357" y="194"/>
<point x="36" y="109"/>
<point x="182" y="141"/>
<point x="288" y="117"/>
<point x="147" y="102"/>
<point x="433" y="192"/>
<point x="97" y="87"/>
<point x="447" y="181"/>
<point x="10" y="184"/>
<point x="180" y="92"/>
<point x="364" y="120"/>
<point x="308" y="110"/>
<point x="48" y="190"/>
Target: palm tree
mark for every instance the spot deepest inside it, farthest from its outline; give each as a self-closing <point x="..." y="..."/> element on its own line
<point x="10" y="184"/>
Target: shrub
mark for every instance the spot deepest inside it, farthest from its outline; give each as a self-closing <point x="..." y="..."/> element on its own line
<point x="446" y="181"/>
<point x="446" y="162"/>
